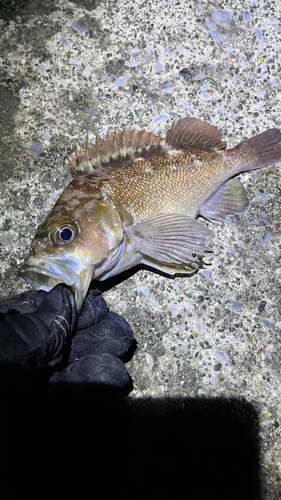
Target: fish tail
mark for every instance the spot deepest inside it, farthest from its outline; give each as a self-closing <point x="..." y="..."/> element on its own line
<point x="264" y="149"/>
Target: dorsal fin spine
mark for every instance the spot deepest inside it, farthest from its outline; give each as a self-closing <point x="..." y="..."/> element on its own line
<point x="186" y="134"/>
<point x="121" y="145"/>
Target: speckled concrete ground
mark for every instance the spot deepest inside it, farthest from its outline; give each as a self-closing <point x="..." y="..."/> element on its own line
<point x="93" y="66"/>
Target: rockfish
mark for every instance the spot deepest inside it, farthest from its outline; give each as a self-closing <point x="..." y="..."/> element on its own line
<point x="135" y="198"/>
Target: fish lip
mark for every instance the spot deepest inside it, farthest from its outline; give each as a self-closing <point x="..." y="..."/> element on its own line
<point x="46" y="271"/>
<point x="44" y="275"/>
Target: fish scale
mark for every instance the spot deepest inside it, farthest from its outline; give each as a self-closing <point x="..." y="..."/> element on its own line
<point x="135" y="199"/>
<point x="138" y="190"/>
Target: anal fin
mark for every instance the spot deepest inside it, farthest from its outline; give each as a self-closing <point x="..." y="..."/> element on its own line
<point x="230" y="199"/>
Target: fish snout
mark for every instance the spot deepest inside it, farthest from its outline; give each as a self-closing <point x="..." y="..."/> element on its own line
<point x="46" y="274"/>
<point x="43" y="275"/>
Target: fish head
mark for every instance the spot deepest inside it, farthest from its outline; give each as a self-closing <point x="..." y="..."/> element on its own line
<point x="80" y="237"/>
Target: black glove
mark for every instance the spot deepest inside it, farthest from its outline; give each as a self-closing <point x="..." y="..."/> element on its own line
<point x="102" y="340"/>
<point x="36" y="328"/>
<point x="53" y="425"/>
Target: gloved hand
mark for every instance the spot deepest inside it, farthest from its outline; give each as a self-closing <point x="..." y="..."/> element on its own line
<point x="102" y="340"/>
<point x="35" y="326"/>
<point x="36" y="330"/>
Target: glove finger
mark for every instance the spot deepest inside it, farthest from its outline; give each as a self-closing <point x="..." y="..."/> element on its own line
<point x="111" y="326"/>
<point x="58" y="310"/>
<point x="93" y="311"/>
<point x="113" y="335"/>
<point x="105" y="370"/>
<point x="88" y="344"/>
<point x="37" y="338"/>
<point x="46" y="331"/>
<point x="115" y="325"/>
<point x="26" y="302"/>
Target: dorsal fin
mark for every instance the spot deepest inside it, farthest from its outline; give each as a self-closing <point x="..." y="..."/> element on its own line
<point x="187" y="133"/>
<point x="122" y="145"/>
<point x="190" y="133"/>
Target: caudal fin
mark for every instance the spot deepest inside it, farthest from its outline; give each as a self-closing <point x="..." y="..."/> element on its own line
<point x="266" y="149"/>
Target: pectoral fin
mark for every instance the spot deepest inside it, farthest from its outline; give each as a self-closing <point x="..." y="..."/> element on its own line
<point x="230" y="199"/>
<point x="170" y="238"/>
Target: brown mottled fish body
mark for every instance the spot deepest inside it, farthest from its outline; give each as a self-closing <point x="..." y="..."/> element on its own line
<point x="135" y="199"/>
<point x="174" y="182"/>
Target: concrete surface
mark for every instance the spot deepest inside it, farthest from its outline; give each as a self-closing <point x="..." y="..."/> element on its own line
<point x="68" y="68"/>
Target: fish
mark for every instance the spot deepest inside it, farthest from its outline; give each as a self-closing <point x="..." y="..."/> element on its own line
<point x="135" y="198"/>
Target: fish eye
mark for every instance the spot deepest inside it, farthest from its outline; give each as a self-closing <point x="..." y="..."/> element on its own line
<point x="64" y="234"/>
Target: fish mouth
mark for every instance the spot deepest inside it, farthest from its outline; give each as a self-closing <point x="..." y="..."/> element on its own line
<point x="45" y="275"/>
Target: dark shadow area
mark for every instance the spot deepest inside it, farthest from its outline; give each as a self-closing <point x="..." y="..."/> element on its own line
<point x="88" y="439"/>
<point x="109" y="283"/>
<point x="10" y="9"/>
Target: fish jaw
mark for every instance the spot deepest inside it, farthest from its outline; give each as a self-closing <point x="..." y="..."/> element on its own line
<point x="46" y="274"/>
